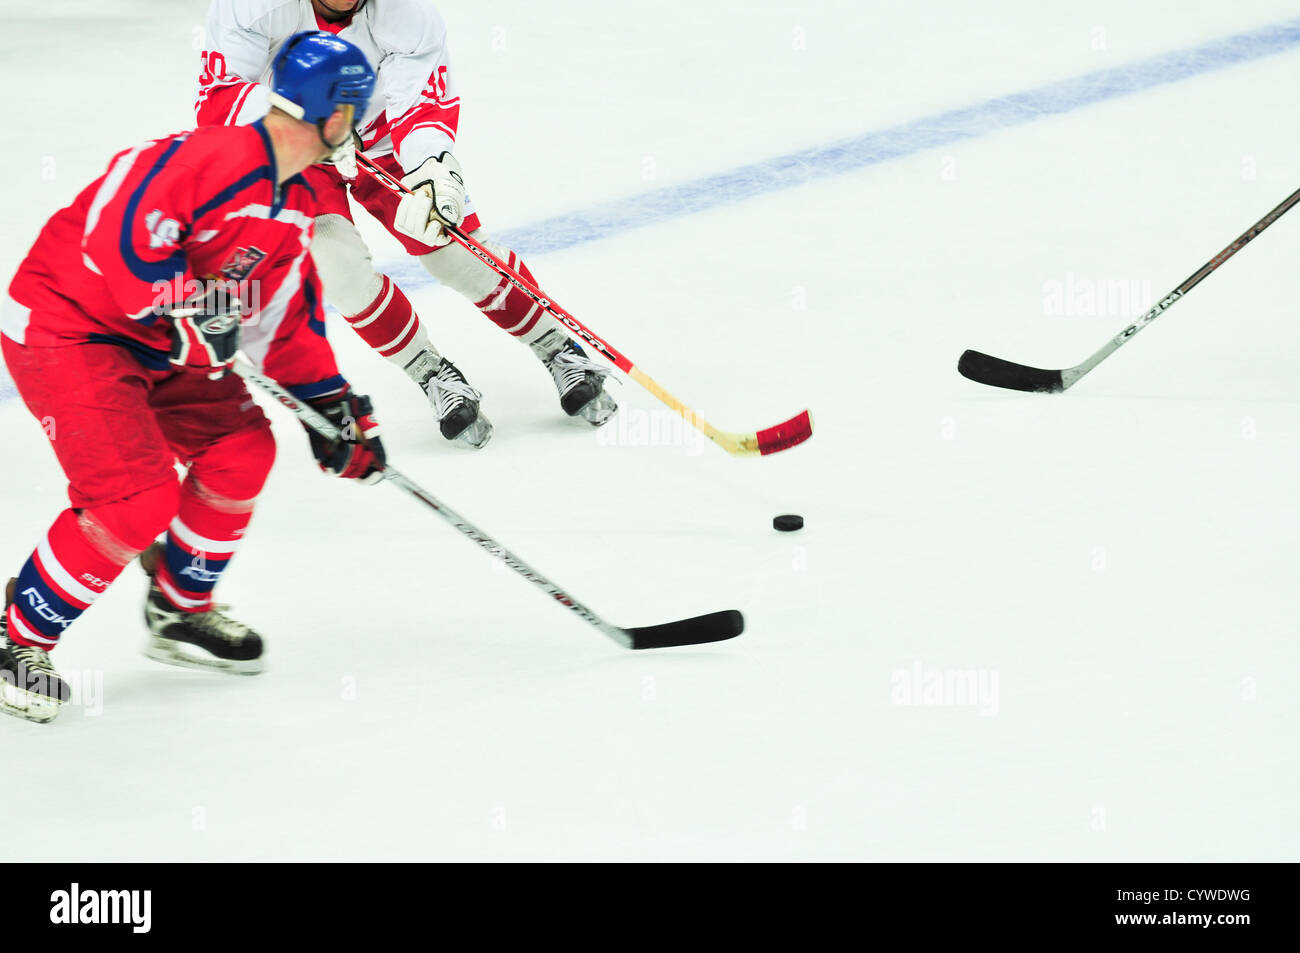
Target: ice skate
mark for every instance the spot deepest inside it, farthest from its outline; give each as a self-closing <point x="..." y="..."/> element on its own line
<point x="579" y="380"/>
<point x="208" y="641"/>
<point x="453" y="400"/>
<point x="30" y="687"/>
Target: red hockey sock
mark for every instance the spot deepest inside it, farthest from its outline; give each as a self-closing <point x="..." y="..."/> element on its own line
<point x="59" y="581"/>
<point x="390" y="325"/>
<point x="201" y="541"/>
<point x="216" y="504"/>
<point x="509" y="308"/>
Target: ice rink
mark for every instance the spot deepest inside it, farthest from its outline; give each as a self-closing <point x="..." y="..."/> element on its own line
<point x="1015" y="627"/>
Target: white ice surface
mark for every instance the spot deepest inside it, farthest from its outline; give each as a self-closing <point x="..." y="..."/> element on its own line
<point x="1119" y="558"/>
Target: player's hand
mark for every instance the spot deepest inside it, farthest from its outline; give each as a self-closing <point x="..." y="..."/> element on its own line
<point x="344" y="158"/>
<point x="437" y="197"/>
<point x="205" y="332"/>
<point x="358" y="453"/>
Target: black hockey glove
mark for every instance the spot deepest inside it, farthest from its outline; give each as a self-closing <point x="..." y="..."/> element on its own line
<point x="205" y="332"/>
<point x="358" y="453"/>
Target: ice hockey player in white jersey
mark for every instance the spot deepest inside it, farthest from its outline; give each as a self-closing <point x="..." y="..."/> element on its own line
<point x="409" y="130"/>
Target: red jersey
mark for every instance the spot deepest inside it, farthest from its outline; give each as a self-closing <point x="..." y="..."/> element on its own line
<point x="165" y="217"/>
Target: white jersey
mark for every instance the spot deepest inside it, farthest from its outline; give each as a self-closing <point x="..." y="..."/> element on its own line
<point x="415" y="109"/>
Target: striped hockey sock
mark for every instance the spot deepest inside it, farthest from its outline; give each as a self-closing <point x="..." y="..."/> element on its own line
<point x="199" y="545"/>
<point x="59" y="582"/>
<point x="513" y="311"/>
<point x="390" y="325"/>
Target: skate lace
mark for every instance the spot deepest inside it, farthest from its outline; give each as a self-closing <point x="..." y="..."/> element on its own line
<point x="448" y="390"/>
<point x="33" y="658"/>
<point x="216" y="622"/>
<point x="570" y="368"/>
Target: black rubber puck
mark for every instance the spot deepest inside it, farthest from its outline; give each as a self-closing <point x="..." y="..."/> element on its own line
<point x="787" y="523"/>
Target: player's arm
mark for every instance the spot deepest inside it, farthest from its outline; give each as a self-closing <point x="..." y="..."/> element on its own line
<point x="423" y="111"/>
<point x="136" y="237"/>
<point x="422" y="103"/>
<point x="236" y="51"/>
<point x="288" y="342"/>
<point x="137" y="228"/>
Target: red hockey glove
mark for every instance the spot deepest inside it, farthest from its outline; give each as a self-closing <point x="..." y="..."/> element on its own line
<point x="358" y="453"/>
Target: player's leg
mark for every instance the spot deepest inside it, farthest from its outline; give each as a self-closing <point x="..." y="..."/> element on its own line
<point x="578" y="380"/>
<point x="376" y="308"/>
<point x="92" y="401"/>
<point x="225" y="440"/>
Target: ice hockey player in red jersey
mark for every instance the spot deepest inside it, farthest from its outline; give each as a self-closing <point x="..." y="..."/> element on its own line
<point x="410" y="130"/>
<point x="119" y="332"/>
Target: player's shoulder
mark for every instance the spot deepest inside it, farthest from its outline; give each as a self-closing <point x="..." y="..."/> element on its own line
<point x="150" y="158"/>
<point x="249" y="13"/>
<point x="396" y="24"/>
<point x="220" y="156"/>
<point x="209" y="143"/>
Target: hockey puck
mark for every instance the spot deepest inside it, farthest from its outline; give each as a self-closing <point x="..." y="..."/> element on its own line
<point x="787" y="523"/>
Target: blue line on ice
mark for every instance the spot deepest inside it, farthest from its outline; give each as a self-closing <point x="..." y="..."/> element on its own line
<point x="847" y="155"/>
<point x="969" y="122"/>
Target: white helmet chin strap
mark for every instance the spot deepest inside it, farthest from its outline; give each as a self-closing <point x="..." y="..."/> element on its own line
<point x="284" y="105"/>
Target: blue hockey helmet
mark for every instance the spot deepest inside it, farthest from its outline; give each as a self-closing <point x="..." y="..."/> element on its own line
<point x="315" y="73"/>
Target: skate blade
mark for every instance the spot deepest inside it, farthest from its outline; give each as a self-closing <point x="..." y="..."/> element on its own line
<point x="182" y="655"/>
<point x="477" y="434"/>
<point x="23" y="704"/>
<point x="598" y="410"/>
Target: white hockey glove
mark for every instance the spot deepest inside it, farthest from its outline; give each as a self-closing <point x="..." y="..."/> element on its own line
<point x="437" y="196"/>
<point x="344" y="158"/>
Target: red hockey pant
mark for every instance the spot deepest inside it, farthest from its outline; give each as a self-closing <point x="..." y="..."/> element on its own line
<point x="118" y="430"/>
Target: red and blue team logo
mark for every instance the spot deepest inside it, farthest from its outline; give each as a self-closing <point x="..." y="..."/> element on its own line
<point x="242" y="263"/>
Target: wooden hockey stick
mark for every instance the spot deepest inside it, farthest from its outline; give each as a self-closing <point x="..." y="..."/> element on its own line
<point x="714" y="627"/>
<point x="789" y="433"/>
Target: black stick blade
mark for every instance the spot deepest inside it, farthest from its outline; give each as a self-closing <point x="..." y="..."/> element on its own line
<point x="714" y="627"/>
<point x="986" y="369"/>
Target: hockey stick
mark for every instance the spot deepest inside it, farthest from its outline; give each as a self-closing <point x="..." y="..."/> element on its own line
<point x="985" y="369"/>
<point x="784" y="435"/>
<point x="714" y="627"/>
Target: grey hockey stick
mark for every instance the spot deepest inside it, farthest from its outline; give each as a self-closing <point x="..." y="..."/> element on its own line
<point x="713" y="627"/>
<point x="986" y="369"/>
